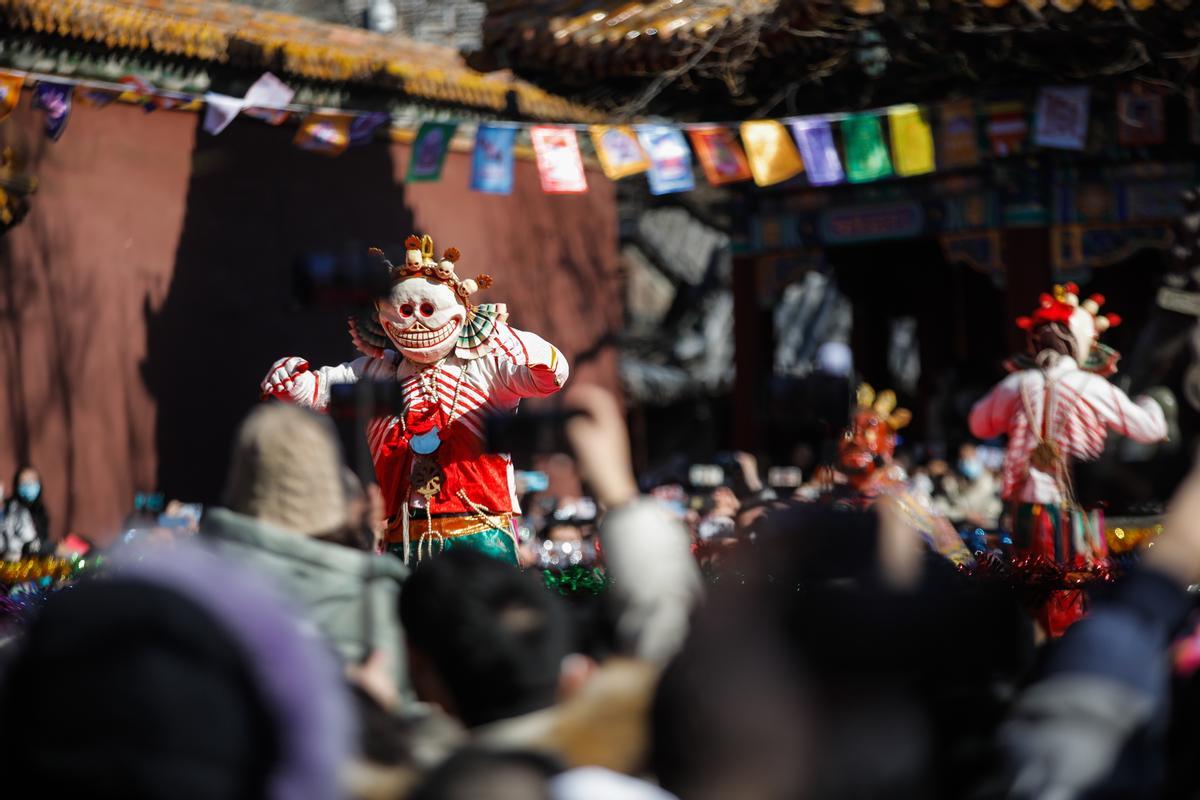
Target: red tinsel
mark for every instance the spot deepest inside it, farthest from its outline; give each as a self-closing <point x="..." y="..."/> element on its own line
<point x="1038" y="572"/>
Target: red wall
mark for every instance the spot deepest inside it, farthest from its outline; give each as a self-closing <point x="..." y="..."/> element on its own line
<point x="151" y="286"/>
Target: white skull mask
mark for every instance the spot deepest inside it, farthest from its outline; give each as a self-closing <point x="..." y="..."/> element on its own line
<point x="423" y="318"/>
<point x="1083" y="332"/>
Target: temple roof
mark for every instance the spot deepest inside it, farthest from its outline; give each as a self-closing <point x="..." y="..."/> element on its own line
<point x="190" y="34"/>
<point x="737" y="58"/>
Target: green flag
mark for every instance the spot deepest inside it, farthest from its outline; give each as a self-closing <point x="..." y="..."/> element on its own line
<point x="866" y="155"/>
<point x="429" y="151"/>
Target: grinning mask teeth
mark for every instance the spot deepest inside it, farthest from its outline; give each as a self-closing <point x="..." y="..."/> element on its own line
<point x="423" y="318"/>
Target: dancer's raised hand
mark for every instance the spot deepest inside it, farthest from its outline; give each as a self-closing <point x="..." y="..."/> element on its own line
<point x="288" y="377"/>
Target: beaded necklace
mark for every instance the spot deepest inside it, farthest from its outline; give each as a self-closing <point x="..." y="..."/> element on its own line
<point x="429" y="388"/>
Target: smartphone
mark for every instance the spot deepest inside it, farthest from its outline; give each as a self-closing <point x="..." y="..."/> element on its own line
<point x="785" y="477"/>
<point x="706" y="476"/>
<point x="528" y="481"/>
<point x="525" y="435"/>
<point x="364" y="400"/>
<point x="716" y="528"/>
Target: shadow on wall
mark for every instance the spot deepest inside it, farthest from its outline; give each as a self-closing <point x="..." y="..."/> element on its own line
<point x="39" y="279"/>
<point x="260" y="212"/>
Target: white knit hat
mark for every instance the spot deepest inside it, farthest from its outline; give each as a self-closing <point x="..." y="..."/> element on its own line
<point x="287" y="470"/>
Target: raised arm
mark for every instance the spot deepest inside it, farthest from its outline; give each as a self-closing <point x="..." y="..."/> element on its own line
<point x="1141" y="420"/>
<point x="532" y="367"/>
<point x="292" y="379"/>
<point x="992" y="415"/>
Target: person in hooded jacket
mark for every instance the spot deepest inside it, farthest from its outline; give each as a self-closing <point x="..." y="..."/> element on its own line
<point x="24" y="523"/>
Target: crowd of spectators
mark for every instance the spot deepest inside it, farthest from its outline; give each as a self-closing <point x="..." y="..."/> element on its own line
<point x="743" y="644"/>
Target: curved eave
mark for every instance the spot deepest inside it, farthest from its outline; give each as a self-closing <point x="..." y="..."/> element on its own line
<point x="245" y="37"/>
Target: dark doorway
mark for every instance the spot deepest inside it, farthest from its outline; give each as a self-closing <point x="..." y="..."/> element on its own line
<point x="958" y="314"/>
<point x="259" y="212"/>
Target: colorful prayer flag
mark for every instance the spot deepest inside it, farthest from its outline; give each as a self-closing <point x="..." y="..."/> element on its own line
<point x="364" y="126"/>
<point x="219" y="111"/>
<point x="55" y="100"/>
<point x="670" y="159"/>
<point x="720" y="155"/>
<point x="266" y="98"/>
<point x="912" y="141"/>
<point x="269" y="92"/>
<point x="1007" y="127"/>
<point x="618" y="150"/>
<point x="958" y="144"/>
<point x="820" y="155"/>
<point x="1062" y="117"/>
<point x="140" y="92"/>
<point x="10" y="92"/>
<point x="773" y="155"/>
<point x="97" y="98"/>
<point x="492" y="160"/>
<point x="429" y="151"/>
<point x="328" y="134"/>
<point x="163" y="102"/>
<point x="866" y="155"/>
<point x="1141" y="118"/>
<point x="271" y="116"/>
<point x="560" y="166"/>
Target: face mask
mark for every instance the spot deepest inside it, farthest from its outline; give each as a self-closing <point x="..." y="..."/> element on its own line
<point x="29" y="491"/>
<point x="970" y="468"/>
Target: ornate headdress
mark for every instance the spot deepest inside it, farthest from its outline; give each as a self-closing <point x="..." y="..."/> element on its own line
<point x="1082" y="323"/>
<point x="419" y="262"/>
<point x="474" y="341"/>
<point x="883" y="405"/>
<point x="1061" y="307"/>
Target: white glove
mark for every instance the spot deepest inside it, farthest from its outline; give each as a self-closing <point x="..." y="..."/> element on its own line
<point x="290" y="378"/>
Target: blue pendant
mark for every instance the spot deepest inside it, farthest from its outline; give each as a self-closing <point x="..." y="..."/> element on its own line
<point x="426" y="443"/>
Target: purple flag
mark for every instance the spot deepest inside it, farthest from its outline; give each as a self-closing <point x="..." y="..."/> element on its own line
<point x="820" y="155"/>
<point x="363" y="127"/>
<point x="55" y="100"/>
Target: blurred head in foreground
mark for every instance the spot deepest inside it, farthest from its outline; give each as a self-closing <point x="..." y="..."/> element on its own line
<point x="174" y="677"/>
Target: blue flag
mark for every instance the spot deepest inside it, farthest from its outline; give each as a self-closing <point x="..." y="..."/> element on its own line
<point x="55" y="100"/>
<point x="670" y="159"/>
<point x="492" y="161"/>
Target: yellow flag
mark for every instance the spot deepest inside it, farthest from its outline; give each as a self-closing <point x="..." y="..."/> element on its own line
<point x="772" y="154"/>
<point x="619" y="152"/>
<point x="10" y="92"/>
<point x="912" y="141"/>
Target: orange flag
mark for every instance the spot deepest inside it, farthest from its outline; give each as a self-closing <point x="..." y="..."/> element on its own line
<point x="720" y="155"/>
<point x="10" y="92"/>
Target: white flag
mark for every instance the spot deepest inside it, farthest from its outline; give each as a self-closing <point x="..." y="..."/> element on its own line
<point x="266" y="92"/>
<point x="269" y="92"/>
<point x="219" y="111"/>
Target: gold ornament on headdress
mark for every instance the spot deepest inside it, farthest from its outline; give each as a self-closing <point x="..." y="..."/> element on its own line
<point x="419" y="261"/>
<point x="884" y="405"/>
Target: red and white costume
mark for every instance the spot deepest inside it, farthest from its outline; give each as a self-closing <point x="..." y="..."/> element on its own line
<point x="1083" y="408"/>
<point x="1056" y="412"/>
<point x="520" y="365"/>
<point x="457" y="364"/>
